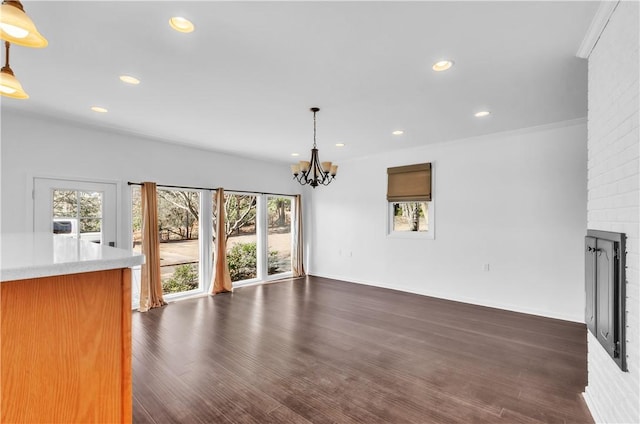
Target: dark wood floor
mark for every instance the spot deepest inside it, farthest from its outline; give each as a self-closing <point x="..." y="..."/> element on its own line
<point x="324" y="351"/>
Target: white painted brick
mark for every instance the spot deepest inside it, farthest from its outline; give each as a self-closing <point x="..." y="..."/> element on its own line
<point x="627" y="185"/>
<point x="614" y="198"/>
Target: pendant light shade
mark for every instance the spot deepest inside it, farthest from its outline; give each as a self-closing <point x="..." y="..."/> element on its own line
<point x="9" y="84"/>
<point x="17" y="28"/>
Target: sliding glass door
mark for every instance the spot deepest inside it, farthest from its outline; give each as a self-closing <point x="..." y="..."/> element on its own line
<point x="257" y="229"/>
<point x="241" y="232"/>
<point x="179" y="237"/>
<point x="279" y="240"/>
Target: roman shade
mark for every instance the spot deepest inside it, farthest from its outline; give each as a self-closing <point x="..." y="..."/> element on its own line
<point x="409" y="183"/>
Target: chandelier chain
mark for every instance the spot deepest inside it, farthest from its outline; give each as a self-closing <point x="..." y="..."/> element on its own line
<point x="6" y="51"/>
<point x="314" y="129"/>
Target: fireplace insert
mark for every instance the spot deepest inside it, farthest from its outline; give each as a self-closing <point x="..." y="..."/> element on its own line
<point x="605" y="289"/>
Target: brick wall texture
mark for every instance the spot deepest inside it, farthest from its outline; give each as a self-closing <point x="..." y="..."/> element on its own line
<point x="613" y="203"/>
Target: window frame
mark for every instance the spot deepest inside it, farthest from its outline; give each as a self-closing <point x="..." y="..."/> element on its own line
<point x="417" y="196"/>
<point x="423" y="235"/>
<point x="205" y="239"/>
<point x="285" y="274"/>
<point x="202" y="284"/>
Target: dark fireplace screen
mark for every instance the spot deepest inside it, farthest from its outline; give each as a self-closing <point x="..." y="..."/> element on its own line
<point x="605" y="290"/>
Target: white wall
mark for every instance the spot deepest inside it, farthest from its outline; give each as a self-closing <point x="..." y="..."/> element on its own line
<point x="34" y="145"/>
<point x="614" y="200"/>
<point x="516" y="201"/>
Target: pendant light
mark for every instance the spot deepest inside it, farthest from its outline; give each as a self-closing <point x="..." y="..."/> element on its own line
<point x="314" y="172"/>
<point x="17" y="28"/>
<point x="9" y="84"/>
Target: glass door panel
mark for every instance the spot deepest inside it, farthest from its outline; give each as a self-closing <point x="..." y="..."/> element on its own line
<point x="178" y="233"/>
<point x="278" y="235"/>
<point x="242" y="239"/>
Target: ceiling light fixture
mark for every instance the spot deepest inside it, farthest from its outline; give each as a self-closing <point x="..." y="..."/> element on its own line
<point x="314" y="172"/>
<point x="181" y="24"/>
<point x="442" y="65"/>
<point x="398" y="132"/>
<point x="339" y="144"/>
<point x="17" y="28"/>
<point x="295" y="154"/>
<point x="9" y="84"/>
<point x="99" y="109"/>
<point x="128" y="79"/>
<point x="482" y="114"/>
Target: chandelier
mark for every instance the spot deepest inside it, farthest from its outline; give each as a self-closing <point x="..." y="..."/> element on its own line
<point x="314" y="172"/>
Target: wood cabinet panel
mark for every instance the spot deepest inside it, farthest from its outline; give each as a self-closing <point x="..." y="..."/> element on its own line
<point x="66" y="348"/>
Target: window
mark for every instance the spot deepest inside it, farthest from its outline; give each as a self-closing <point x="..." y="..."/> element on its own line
<point x="258" y="231"/>
<point x="410" y="208"/>
<point x="78" y="214"/>
<point x="241" y="234"/>
<point x="178" y="234"/>
<point x="279" y="240"/>
<point x="409" y="216"/>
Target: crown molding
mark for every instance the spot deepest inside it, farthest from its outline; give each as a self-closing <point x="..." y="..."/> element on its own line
<point x="599" y="22"/>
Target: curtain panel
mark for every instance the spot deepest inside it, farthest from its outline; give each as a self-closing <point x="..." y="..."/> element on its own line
<point x="221" y="275"/>
<point x="150" y="282"/>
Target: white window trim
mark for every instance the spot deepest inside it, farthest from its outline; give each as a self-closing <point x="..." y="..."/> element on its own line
<point x="206" y="245"/>
<point x="265" y="220"/>
<point x="203" y="284"/>
<point x="421" y="235"/>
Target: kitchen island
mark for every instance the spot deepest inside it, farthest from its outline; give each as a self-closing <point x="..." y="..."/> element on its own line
<point x="65" y="330"/>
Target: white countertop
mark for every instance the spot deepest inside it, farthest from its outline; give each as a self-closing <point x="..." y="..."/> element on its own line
<point x="33" y="255"/>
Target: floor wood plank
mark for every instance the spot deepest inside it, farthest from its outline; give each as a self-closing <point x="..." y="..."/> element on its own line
<point x="316" y="350"/>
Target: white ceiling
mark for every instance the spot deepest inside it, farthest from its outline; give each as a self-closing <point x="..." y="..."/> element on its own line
<point x="244" y="80"/>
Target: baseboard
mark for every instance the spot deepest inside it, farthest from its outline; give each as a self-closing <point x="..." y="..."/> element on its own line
<point x="592" y="407"/>
<point x="497" y="305"/>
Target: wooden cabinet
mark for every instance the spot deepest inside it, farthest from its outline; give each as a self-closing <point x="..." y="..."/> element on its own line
<point x="66" y="348"/>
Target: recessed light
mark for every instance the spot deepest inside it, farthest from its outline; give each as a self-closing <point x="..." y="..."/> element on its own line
<point x="99" y="109"/>
<point x="442" y="65"/>
<point x="482" y="114"/>
<point x="128" y="79"/>
<point x="339" y="144"/>
<point x="295" y="154"/>
<point x="398" y="132"/>
<point x="181" y="24"/>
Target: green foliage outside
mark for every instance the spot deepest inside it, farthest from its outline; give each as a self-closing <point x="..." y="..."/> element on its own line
<point x="184" y="278"/>
<point x="242" y="260"/>
<point x="83" y="205"/>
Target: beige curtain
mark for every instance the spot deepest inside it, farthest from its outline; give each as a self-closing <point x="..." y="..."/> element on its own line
<point x="150" y="283"/>
<point x="298" y="245"/>
<point x="221" y="276"/>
